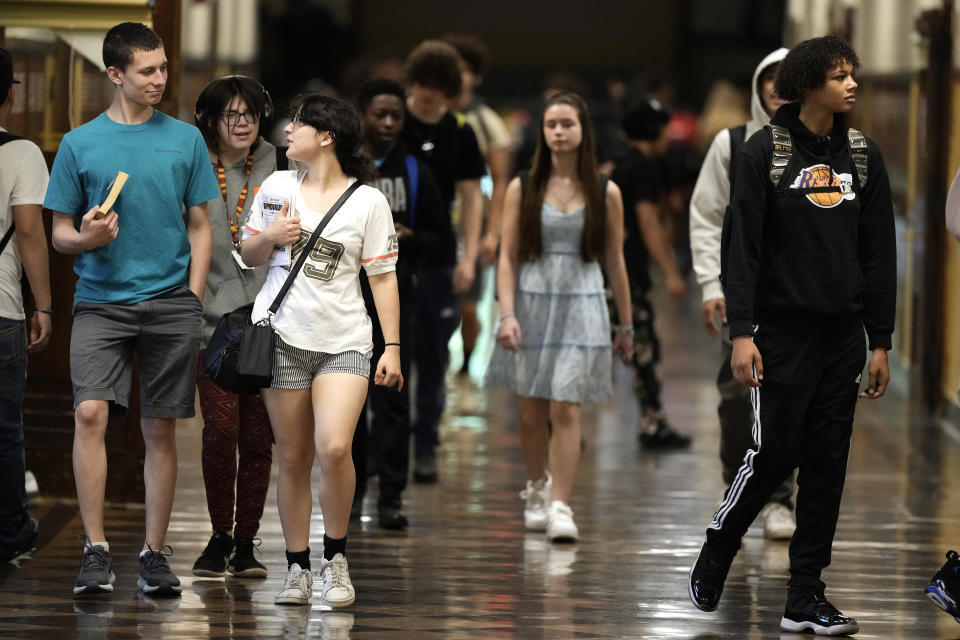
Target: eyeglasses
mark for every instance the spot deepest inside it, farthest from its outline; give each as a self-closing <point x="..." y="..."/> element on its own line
<point x="232" y="118"/>
<point x="297" y="121"/>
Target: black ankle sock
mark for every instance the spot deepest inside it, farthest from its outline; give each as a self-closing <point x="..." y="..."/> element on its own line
<point x="332" y="547"/>
<point x="301" y="558"/>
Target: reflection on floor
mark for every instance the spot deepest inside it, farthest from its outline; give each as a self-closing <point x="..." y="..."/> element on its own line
<point x="466" y="569"/>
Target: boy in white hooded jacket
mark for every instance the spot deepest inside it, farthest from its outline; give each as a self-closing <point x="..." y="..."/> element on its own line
<point x="707" y="206"/>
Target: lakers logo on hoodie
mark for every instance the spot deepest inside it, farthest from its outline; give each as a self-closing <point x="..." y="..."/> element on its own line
<point x="819" y="177"/>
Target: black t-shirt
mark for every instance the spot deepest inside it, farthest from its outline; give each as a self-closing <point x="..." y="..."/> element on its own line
<point x="640" y="180"/>
<point x="448" y="147"/>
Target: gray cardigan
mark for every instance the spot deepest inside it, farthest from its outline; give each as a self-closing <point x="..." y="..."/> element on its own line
<point x="229" y="286"/>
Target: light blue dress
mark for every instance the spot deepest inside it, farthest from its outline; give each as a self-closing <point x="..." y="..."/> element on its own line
<point x="561" y="306"/>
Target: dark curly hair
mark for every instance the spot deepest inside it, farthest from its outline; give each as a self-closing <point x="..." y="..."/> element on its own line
<point x="435" y="64"/>
<point x="325" y="113"/>
<point x="805" y="68"/>
<point x="471" y="49"/>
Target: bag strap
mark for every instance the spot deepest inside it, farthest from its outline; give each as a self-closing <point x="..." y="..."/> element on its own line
<point x="413" y="175"/>
<point x="858" y="152"/>
<point x="6" y="137"/>
<point x="781" y="152"/>
<point x="308" y="248"/>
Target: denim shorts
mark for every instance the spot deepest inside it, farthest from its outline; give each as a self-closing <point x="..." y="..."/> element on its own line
<point x="164" y="334"/>
<point x="295" y="368"/>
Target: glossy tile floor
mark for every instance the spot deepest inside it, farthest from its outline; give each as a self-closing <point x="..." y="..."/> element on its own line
<point x="466" y="569"/>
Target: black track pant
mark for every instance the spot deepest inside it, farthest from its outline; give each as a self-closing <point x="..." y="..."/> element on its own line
<point x="803" y="419"/>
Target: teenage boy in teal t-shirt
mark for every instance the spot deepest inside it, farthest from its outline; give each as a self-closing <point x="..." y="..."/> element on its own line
<point x="141" y="272"/>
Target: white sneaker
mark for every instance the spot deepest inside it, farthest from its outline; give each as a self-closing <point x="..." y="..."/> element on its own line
<point x="537" y="495"/>
<point x="779" y="522"/>
<point x="560" y="525"/>
<point x="297" y="586"/>
<point x="336" y="590"/>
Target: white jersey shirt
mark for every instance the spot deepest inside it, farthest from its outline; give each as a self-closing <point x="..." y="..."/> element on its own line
<point x="23" y="180"/>
<point x="324" y="309"/>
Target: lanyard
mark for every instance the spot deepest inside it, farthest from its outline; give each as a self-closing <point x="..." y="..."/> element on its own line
<point x="234" y="221"/>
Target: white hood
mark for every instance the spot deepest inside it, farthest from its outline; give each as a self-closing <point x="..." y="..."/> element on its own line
<point x="758" y="115"/>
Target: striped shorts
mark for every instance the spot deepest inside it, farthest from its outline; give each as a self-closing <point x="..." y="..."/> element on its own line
<point x="295" y="368"/>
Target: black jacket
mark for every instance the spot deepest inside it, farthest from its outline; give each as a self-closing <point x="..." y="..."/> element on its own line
<point x="802" y="255"/>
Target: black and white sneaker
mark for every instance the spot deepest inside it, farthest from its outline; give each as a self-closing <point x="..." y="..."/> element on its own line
<point x="243" y="564"/>
<point x="22" y="548"/>
<point x="212" y="563"/>
<point x="96" y="572"/>
<point x="815" y="613"/>
<point x="707" y="577"/>
<point x="944" y="587"/>
<point x="156" y="577"/>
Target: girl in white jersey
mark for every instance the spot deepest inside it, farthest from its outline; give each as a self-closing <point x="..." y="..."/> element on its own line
<point x="323" y="346"/>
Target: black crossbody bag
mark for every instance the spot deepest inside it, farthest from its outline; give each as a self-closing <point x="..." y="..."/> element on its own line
<point x="239" y="357"/>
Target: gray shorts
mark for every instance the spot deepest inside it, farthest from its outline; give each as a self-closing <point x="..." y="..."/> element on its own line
<point x="163" y="332"/>
<point x="295" y="368"/>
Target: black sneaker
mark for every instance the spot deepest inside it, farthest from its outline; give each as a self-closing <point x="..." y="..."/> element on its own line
<point x="425" y="467"/>
<point x="96" y="572"/>
<point x="27" y="544"/>
<point x="243" y="564"/>
<point x="815" y="613"/>
<point x="944" y="587"/>
<point x="707" y="576"/>
<point x="156" y="577"/>
<point x="658" y="433"/>
<point x="212" y="563"/>
<point x="390" y="512"/>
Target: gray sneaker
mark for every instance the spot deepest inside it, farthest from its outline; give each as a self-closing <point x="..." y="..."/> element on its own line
<point x="336" y="590"/>
<point x="156" y="577"/>
<point x="96" y="572"/>
<point x="297" y="586"/>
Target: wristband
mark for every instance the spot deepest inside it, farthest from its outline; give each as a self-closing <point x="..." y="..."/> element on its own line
<point x="392" y="344"/>
<point x="508" y="314"/>
<point x="625" y="328"/>
<point x="49" y="312"/>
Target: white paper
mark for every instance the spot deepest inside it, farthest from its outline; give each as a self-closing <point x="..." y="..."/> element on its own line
<point x="236" y="256"/>
<point x="271" y="207"/>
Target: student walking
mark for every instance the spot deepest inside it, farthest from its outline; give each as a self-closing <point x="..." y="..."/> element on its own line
<point x="23" y="182"/>
<point x="707" y="206"/>
<point x="237" y="440"/>
<point x="638" y="175"/>
<point x="446" y="144"/>
<point x="141" y="271"/>
<point x="561" y="221"/>
<point x="419" y="221"/>
<point x="809" y="267"/>
<point x="323" y="334"/>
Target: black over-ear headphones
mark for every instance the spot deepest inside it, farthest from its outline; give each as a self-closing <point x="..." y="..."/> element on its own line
<point x="202" y="107"/>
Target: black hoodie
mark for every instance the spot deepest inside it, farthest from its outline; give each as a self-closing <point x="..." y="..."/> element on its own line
<point x="802" y="256"/>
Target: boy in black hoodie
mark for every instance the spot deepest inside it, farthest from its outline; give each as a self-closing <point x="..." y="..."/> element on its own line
<point x="810" y="264"/>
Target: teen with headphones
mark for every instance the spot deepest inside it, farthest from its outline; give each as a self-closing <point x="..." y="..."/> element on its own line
<point x="231" y="112"/>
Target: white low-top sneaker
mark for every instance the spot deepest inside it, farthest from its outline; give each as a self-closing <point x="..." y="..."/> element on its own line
<point x="297" y="586"/>
<point x="560" y="525"/>
<point x="778" y="520"/>
<point x="336" y="588"/>
<point x="537" y="495"/>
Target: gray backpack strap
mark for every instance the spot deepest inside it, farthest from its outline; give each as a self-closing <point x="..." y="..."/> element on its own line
<point x="782" y="151"/>
<point x="858" y="153"/>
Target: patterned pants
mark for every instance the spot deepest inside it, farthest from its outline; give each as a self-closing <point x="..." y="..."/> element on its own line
<point x="231" y="423"/>
<point x="646" y="351"/>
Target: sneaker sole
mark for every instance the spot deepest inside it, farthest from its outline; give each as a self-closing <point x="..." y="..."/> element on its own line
<point x="563" y="539"/>
<point x="532" y="524"/>
<point x="936" y="597"/>
<point x="690" y="589"/>
<point x="253" y="572"/>
<point x="786" y="624"/>
<point x="291" y="600"/>
<point x="161" y="590"/>
<point x="91" y="589"/>
<point x="206" y="573"/>
<point x="342" y="603"/>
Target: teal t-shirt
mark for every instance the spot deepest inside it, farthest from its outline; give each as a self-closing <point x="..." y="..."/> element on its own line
<point x="169" y="167"/>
